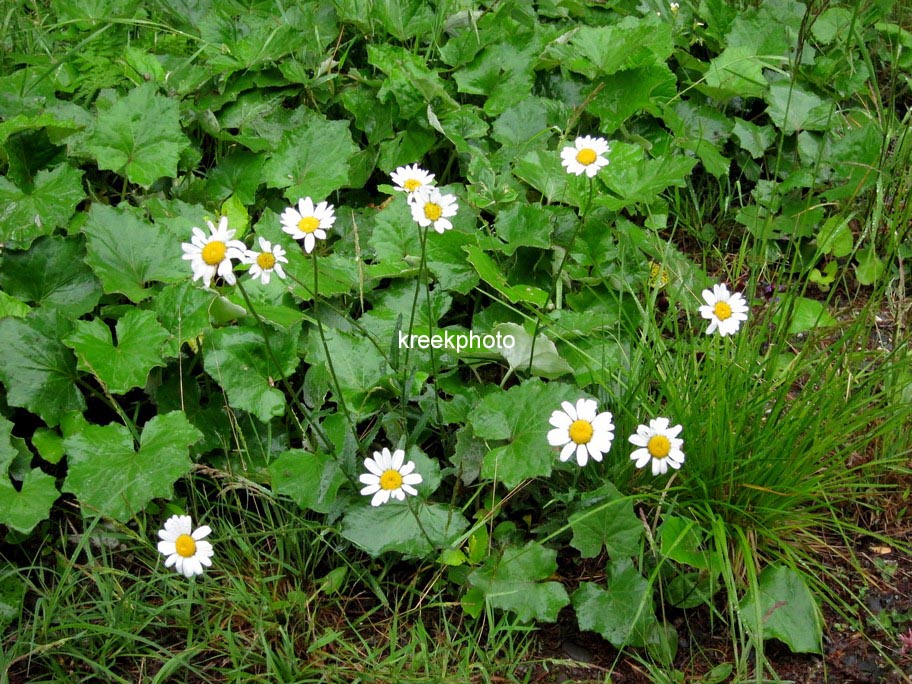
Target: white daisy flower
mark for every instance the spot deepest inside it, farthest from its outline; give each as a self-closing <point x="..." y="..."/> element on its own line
<point x="308" y="222"/>
<point x="432" y="208"/>
<point x="388" y="477"/>
<point x="674" y="7"/>
<point x="581" y="430"/>
<point x="267" y="261"/>
<point x="725" y="310"/>
<point x="211" y="255"/>
<point x="411" y="178"/>
<point x="184" y="547"/>
<point x="660" y="444"/>
<point x="585" y="156"/>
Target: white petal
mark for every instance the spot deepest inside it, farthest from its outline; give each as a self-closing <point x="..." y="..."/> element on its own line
<point x="412" y="479"/>
<point x="201" y="532"/>
<point x="560" y="419"/>
<point x="398" y="458"/>
<point x="380" y="497"/>
<point x="569" y="409"/>
<point x="166" y="548"/>
<point x="567" y="451"/>
<point x="370" y="489"/>
<point x="373" y="466"/>
<point x="558" y="436"/>
<point x="582" y="454"/>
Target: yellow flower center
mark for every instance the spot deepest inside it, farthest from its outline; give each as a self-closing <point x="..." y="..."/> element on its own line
<point x="214" y="252"/>
<point x="411" y="184"/>
<point x="658" y="446"/>
<point x="185" y="545"/>
<point x="266" y="261"/>
<point x="586" y="156"/>
<point x="581" y="431"/>
<point x="722" y="310"/>
<point x="433" y="211"/>
<point x="390" y="480"/>
<point x="308" y="224"/>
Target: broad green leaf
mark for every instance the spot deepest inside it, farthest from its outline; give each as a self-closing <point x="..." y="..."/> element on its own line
<point x="527" y="120"/>
<point x="10" y="306"/>
<point x="502" y="72"/>
<point x="446" y="260"/>
<point x="52" y="273"/>
<point x="493" y="275"/>
<point x="631" y="91"/>
<point x="238" y="174"/>
<point x="49" y="444"/>
<point x="545" y="360"/>
<point x="393" y="527"/>
<point x="603" y="50"/>
<point x="311" y="159"/>
<point x="783" y="607"/>
<point x="606" y="519"/>
<point x="870" y="267"/>
<point x="543" y="171"/>
<point x="22" y="510"/>
<point x="516" y="581"/>
<point x="139" y="136"/>
<point x="642" y="181"/>
<point x="358" y="366"/>
<point x="110" y="477"/>
<point x="183" y="308"/>
<point x="311" y="480"/>
<point x="410" y="83"/>
<point x="524" y="225"/>
<point x="703" y="131"/>
<point x="621" y="612"/>
<point x="27" y="213"/>
<point x="793" y="109"/>
<point x="38" y="371"/>
<point x="520" y="415"/>
<point x="404" y="19"/>
<point x="395" y="235"/>
<point x="123" y="366"/>
<point x="680" y="539"/>
<point x="772" y="28"/>
<point x="803" y="314"/>
<point x="127" y="252"/>
<point x="737" y="72"/>
<point x="831" y="23"/>
<point x="753" y="138"/>
<point x="238" y="360"/>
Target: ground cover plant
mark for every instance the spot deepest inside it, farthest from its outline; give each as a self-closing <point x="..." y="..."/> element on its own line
<point x="363" y="340"/>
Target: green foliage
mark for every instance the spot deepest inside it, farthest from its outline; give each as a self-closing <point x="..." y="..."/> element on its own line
<point x="516" y="580"/>
<point x="138" y="136"/>
<point x="110" y="476"/>
<point x="783" y="608"/>
<point x="749" y="145"/>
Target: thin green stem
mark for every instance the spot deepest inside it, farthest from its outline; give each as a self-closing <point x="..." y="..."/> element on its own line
<point x="329" y="364"/>
<point x="560" y="269"/>
<point x="330" y="447"/>
<point x="414" y="513"/>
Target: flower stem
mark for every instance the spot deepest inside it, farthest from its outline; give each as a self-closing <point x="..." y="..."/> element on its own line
<point x="330" y="447"/>
<point x="414" y="513"/>
<point x="329" y="364"/>
<point x="560" y="268"/>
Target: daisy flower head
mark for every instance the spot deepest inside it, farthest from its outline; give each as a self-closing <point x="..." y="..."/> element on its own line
<point x="586" y="155"/>
<point x="211" y="255"/>
<point x="581" y="430"/>
<point x="725" y="310"/>
<point x="264" y="263"/>
<point x="308" y="222"/>
<point x="184" y="546"/>
<point x="408" y="179"/>
<point x="389" y="477"/>
<point x="658" y="443"/>
<point x="430" y="207"/>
